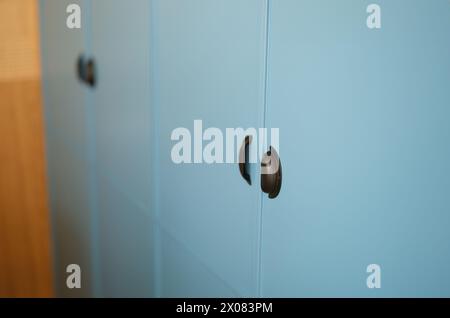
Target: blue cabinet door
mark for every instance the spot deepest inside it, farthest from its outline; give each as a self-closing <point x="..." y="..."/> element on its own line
<point x="208" y="65"/>
<point x="69" y="156"/>
<point x="120" y="39"/>
<point x="364" y="125"/>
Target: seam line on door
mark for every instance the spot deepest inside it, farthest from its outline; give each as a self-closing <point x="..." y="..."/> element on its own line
<point x="266" y="79"/>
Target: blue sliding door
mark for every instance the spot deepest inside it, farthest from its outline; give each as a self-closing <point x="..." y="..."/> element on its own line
<point x="364" y="124"/>
<point x="208" y="65"/>
<point x="69" y="155"/>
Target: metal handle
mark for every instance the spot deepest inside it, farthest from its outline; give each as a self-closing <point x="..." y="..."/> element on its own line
<point x="81" y="68"/>
<point x="91" y="72"/>
<point x="86" y="70"/>
<point x="243" y="159"/>
<point x="271" y="173"/>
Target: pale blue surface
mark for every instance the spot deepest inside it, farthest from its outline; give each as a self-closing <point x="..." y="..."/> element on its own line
<point x="208" y="59"/>
<point x="121" y="47"/>
<point x="99" y="147"/>
<point x="363" y="117"/>
<point x="68" y="153"/>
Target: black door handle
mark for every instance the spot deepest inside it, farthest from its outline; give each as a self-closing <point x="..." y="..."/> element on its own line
<point x="81" y="68"/>
<point x="243" y="159"/>
<point x="86" y="70"/>
<point x="91" y="77"/>
<point x="271" y="174"/>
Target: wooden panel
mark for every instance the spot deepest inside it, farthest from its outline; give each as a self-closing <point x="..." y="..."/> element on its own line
<point x="19" y="47"/>
<point x="25" y="261"/>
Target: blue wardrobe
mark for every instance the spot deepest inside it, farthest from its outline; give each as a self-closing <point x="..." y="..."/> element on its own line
<point x="364" y="147"/>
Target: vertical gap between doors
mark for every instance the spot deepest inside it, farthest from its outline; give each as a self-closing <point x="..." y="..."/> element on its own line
<point x="96" y="287"/>
<point x="156" y="213"/>
<point x="264" y="124"/>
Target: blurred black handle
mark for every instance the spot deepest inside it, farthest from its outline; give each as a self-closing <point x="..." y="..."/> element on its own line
<point x="86" y="70"/>
<point x="243" y="159"/>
